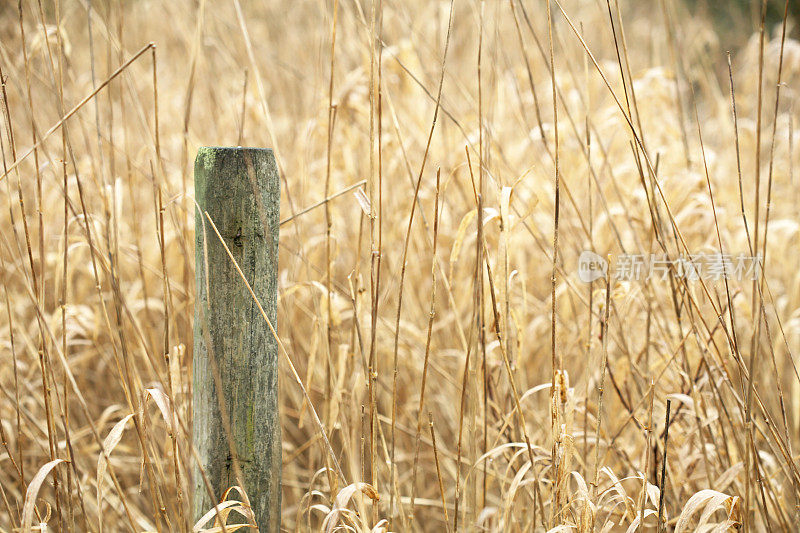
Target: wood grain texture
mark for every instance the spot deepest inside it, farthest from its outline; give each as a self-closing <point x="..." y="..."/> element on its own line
<point x="235" y="372"/>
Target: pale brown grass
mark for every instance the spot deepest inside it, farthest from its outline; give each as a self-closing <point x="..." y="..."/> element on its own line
<point x="544" y="398"/>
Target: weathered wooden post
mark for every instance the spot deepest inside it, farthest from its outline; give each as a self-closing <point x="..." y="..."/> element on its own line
<point x="236" y="423"/>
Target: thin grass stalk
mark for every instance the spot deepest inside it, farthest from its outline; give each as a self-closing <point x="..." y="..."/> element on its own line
<point x="431" y="318"/>
<point x="663" y="484"/>
<point x="328" y="225"/>
<point x="438" y="472"/>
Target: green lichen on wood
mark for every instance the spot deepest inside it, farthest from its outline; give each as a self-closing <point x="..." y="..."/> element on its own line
<point x="239" y="188"/>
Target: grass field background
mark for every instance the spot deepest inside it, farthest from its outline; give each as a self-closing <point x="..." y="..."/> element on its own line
<point x="477" y="385"/>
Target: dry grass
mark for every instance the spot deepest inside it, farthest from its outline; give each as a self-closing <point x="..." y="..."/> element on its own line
<point x="544" y="398"/>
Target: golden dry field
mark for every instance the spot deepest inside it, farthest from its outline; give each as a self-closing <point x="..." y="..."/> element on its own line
<point x="448" y="361"/>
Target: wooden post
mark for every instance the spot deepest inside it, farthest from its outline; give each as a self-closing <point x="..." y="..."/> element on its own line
<point x="236" y="427"/>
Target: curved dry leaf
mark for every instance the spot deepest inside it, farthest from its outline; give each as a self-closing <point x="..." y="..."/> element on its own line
<point x="521" y="447"/>
<point x="344" y="495"/>
<point x="490" y="213"/>
<point x="33" y="491"/>
<point x="486" y="514"/>
<point x="534" y="390"/>
<point x="683" y="398"/>
<point x="245" y="509"/>
<point x="635" y="524"/>
<point x="163" y="403"/>
<point x="588" y="510"/>
<point x="617" y="487"/>
<point x="324" y="509"/>
<point x="343" y="498"/>
<point x="110" y="442"/>
<point x="332" y="521"/>
<point x="709" y="500"/>
<point x="206" y="518"/>
<point x="241" y="492"/>
<point x="511" y="493"/>
<point x="653" y="494"/>
<point x="731" y="506"/>
<point x="381" y="526"/>
<point x="583" y="487"/>
<point x="305" y="501"/>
